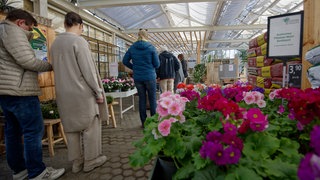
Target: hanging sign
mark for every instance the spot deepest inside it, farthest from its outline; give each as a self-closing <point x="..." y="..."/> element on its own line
<point x="230" y="67"/>
<point x="113" y="69"/>
<point x="285" y="35"/>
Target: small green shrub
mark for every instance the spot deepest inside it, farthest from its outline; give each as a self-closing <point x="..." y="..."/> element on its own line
<point x="109" y="99"/>
<point x="49" y="110"/>
<point x="199" y="72"/>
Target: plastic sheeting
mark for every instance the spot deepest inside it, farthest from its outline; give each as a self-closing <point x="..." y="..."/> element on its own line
<point x="163" y="19"/>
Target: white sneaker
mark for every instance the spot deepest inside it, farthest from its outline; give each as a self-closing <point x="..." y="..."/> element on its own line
<point x="49" y="173"/>
<point x="21" y="175"/>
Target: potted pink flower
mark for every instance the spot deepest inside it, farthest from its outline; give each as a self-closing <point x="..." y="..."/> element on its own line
<point x="213" y="132"/>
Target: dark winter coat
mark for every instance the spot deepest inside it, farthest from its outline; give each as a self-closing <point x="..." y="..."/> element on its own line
<point x="184" y="68"/>
<point x="169" y="64"/>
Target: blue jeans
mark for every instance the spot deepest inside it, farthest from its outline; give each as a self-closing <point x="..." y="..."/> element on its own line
<point x="144" y="88"/>
<point x="23" y="119"/>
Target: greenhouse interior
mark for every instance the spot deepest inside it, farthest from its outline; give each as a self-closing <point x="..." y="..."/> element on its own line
<point x="160" y="89"/>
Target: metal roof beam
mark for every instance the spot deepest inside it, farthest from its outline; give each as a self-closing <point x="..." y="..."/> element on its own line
<point x="228" y="41"/>
<point x="225" y="48"/>
<point x="86" y="4"/>
<point x="66" y="6"/>
<point x="203" y="28"/>
<point x="169" y="17"/>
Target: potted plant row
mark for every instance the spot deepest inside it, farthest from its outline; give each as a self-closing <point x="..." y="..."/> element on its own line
<point x="234" y="132"/>
<point x="117" y="84"/>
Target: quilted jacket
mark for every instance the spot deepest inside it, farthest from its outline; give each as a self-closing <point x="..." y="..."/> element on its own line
<point x="18" y="64"/>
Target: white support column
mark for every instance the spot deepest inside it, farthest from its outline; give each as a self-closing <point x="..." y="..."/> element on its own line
<point x="114" y="50"/>
<point x="41" y="7"/>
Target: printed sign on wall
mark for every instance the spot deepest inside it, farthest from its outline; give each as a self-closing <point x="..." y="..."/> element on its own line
<point x="285" y="35"/>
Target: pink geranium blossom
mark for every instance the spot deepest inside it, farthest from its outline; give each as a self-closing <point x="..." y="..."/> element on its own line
<point x="174" y="109"/>
<point x="165" y="94"/>
<point x="272" y="95"/>
<point x="182" y="118"/>
<point x="170" y="108"/>
<point x="257" y="95"/>
<point x="172" y="120"/>
<point x="162" y="111"/>
<point x="164" y="127"/>
<point x="249" y="99"/>
<point x="261" y="103"/>
<point x="165" y="102"/>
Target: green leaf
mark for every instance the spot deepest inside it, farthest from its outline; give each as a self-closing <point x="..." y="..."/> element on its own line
<point x="305" y="136"/>
<point x="137" y="159"/>
<point x="174" y="147"/>
<point x="199" y="162"/>
<point x="184" y="172"/>
<point x="209" y="173"/>
<point x="153" y="148"/>
<point x="277" y="169"/>
<point x="289" y="147"/>
<point x="193" y="142"/>
<point x="260" y="145"/>
<point x="243" y="173"/>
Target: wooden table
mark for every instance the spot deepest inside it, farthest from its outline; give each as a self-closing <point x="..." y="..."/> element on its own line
<point x="121" y="95"/>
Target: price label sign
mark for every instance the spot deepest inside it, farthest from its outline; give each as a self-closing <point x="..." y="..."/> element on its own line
<point x="294" y="72"/>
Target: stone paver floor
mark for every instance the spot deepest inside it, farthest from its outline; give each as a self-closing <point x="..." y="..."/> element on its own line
<point x="116" y="145"/>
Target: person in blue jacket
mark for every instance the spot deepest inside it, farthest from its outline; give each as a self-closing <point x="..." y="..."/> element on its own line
<point x="142" y="58"/>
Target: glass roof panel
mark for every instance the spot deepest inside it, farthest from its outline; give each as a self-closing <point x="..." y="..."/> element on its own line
<point x="128" y="16"/>
<point x="212" y="14"/>
<point x="202" y="12"/>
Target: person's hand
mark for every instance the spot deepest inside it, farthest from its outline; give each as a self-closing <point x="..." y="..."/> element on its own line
<point x="100" y="100"/>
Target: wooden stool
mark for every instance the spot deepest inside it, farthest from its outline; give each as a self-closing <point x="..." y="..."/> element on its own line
<point x="51" y="140"/>
<point x="111" y="113"/>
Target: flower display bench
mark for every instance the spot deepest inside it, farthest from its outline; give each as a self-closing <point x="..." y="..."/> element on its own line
<point x="121" y="95"/>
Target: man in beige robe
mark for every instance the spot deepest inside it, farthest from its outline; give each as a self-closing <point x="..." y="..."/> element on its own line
<point x="80" y="96"/>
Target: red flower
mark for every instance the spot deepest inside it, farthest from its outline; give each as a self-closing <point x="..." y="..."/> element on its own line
<point x="244" y="127"/>
<point x="190" y="86"/>
<point x="181" y="86"/>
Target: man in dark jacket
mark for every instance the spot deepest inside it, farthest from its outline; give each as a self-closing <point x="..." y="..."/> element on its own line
<point x="184" y="66"/>
<point x="169" y="65"/>
<point x="142" y="58"/>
